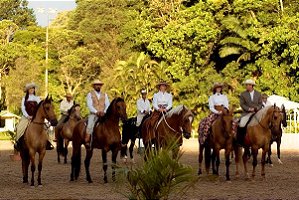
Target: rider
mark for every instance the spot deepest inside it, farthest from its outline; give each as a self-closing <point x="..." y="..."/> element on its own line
<point x="143" y="107"/>
<point x="29" y="104"/>
<point x="217" y="102"/>
<point x="265" y="100"/>
<point x="65" y="105"/>
<point x="97" y="103"/>
<point x="250" y="102"/>
<point x="162" y="102"/>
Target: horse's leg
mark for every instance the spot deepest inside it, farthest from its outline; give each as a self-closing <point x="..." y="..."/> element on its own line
<point x="245" y="160"/>
<point x="131" y="148"/>
<point x="263" y="162"/>
<point x="237" y="156"/>
<point x="40" y="166"/>
<point x="216" y="161"/>
<point x="89" y="153"/>
<point x="254" y="152"/>
<point x="105" y="165"/>
<point x="207" y="157"/>
<point x="32" y="160"/>
<point x="200" y="158"/>
<point x="227" y="162"/>
<point x="278" y="150"/>
<point x="66" y="144"/>
<point x="114" y="156"/>
<point x="268" y="160"/>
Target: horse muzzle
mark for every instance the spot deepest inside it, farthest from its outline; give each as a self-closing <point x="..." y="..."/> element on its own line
<point x="187" y="135"/>
<point x="53" y="122"/>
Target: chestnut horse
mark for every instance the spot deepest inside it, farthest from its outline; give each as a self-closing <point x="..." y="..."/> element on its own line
<point x="170" y="128"/>
<point x="276" y="132"/>
<point x="106" y="136"/>
<point x="258" y="135"/>
<point x="35" y="139"/>
<point x="221" y="137"/>
<point x="64" y="132"/>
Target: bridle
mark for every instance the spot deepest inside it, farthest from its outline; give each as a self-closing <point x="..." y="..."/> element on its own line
<point x="47" y="117"/>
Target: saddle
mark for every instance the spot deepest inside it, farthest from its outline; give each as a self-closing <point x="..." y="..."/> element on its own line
<point x="242" y="127"/>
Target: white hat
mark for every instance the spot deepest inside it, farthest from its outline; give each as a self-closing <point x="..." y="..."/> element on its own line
<point x="249" y="82"/>
<point x="29" y="86"/>
<point x="143" y="91"/>
<point x="97" y="82"/>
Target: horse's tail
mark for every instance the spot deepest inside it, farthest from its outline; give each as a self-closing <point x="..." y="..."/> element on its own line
<point x="76" y="156"/>
<point x="59" y="147"/>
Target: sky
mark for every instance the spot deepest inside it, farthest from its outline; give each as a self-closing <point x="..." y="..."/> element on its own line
<point x="44" y="8"/>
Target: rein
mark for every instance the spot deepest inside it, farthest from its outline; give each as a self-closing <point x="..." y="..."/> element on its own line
<point x="172" y="129"/>
<point x="42" y="123"/>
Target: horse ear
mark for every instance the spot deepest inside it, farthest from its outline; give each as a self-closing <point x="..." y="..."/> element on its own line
<point x="47" y="97"/>
<point x="274" y="105"/>
<point x="282" y="107"/>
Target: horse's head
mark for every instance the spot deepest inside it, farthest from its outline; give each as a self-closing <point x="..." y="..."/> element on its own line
<point x="48" y="111"/>
<point x="75" y="112"/>
<point x="119" y="108"/>
<point x="186" y="123"/>
<point x="284" y="116"/>
<point x="276" y="119"/>
<point x="227" y="120"/>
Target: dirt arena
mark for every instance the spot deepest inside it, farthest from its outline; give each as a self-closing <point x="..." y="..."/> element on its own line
<point x="281" y="180"/>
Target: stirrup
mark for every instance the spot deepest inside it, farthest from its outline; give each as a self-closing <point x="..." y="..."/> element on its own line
<point x="49" y="146"/>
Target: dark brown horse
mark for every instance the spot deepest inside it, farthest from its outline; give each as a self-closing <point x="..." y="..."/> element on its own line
<point x="258" y="135"/>
<point x="35" y="139"/>
<point x="106" y="136"/>
<point x="221" y="137"/>
<point x="64" y="132"/>
<point x="169" y="129"/>
<point x="276" y="132"/>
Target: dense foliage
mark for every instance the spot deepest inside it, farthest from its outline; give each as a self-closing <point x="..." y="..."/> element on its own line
<point x="133" y="44"/>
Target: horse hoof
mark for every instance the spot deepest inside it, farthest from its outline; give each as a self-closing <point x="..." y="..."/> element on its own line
<point x="40" y="185"/>
<point x="228" y="181"/>
<point x="279" y="161"/>
<point x="237" y="176"/>
<point x="105" y="180"/>
<point x="132" y="161"/>
<point x="199" y="172"/>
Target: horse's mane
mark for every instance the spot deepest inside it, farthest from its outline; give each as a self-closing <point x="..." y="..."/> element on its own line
<point x="36" y="109"/>
<point x="176" y="111"/>
<point x="259" y="116"/>
<point x="109" y="109"/>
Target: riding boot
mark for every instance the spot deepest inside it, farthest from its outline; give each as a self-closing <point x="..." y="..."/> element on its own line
<point x="87" y="140"/>
<point x="49" y="146"/>
<point x="17" y="145"/>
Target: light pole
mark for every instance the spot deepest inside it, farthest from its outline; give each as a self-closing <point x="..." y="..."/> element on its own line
<point x="47" y="12"/>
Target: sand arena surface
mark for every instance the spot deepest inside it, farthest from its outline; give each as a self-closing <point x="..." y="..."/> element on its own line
<point x="281" y="180"/>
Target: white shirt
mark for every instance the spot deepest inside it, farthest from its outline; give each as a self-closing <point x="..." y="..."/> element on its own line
<point x="90" y="104"/>
<point x="31" y="97"/>
<point x="218" y="99"/>
<point x="143" y="105"/>
<point x="251" y="94"/>
<point x="65" y="106"/>
<point x="162" y="99"/>
<point x="268" y="103"/>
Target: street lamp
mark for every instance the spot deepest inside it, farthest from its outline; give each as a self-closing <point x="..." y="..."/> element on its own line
<point x="48" y="13"/>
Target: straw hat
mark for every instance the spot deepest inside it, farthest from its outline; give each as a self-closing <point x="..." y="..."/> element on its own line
<point x="97" y="82"/>
<point x="29" y="86"/>
<point x="69" y="95"/>
<point x="143" y="91"/>
<point x="217" y="85"/>
<point x="249" y="82"/>
<point x="162" y="83"/>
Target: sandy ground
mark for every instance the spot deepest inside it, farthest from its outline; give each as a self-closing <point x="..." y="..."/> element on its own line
<point x="281" y="180"/>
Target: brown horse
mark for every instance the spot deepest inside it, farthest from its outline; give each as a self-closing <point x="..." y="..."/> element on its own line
<point x="276" y="132"/>
<point x="169" y="129"/>
<point x="258" y="135"/>
<point x="106" y="136"/>
<point x="64" y="132"/>
<point x="221" y="137"/>
<point x="35" y="139"/>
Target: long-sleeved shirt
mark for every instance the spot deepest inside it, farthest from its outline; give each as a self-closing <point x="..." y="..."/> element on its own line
<point x="143" y="105"/>
<point x="65" y="106"/>
<point x="162" y="100"/>
<point x="31" y="97"/>
<point x="218" y="100"/>
<point x="90" y="106"/>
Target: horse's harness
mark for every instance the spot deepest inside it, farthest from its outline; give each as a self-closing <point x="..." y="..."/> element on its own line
<point x="47" y="125"/>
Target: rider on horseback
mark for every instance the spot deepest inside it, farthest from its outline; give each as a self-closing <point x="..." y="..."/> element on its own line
<point x="250" y="102"/>
<point x="29" y="105"/>
<point x="143" y="107"/>
<point x="65" y="105"/>
<point x="217" y="102"/>
<point x="97" y="103"/>
<point x="162" y="102"/>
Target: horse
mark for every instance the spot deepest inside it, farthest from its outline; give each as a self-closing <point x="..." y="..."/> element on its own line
<point x="129" y="132"/>
<point x="106" y="136"/>
<point x="221" y="137"/>
<point x="168" y="131"/>
<point x="35" y="139"/>
<point x="258" y="135"/>
<point x="64" y="132"/>
<point x="277" y="134"/>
